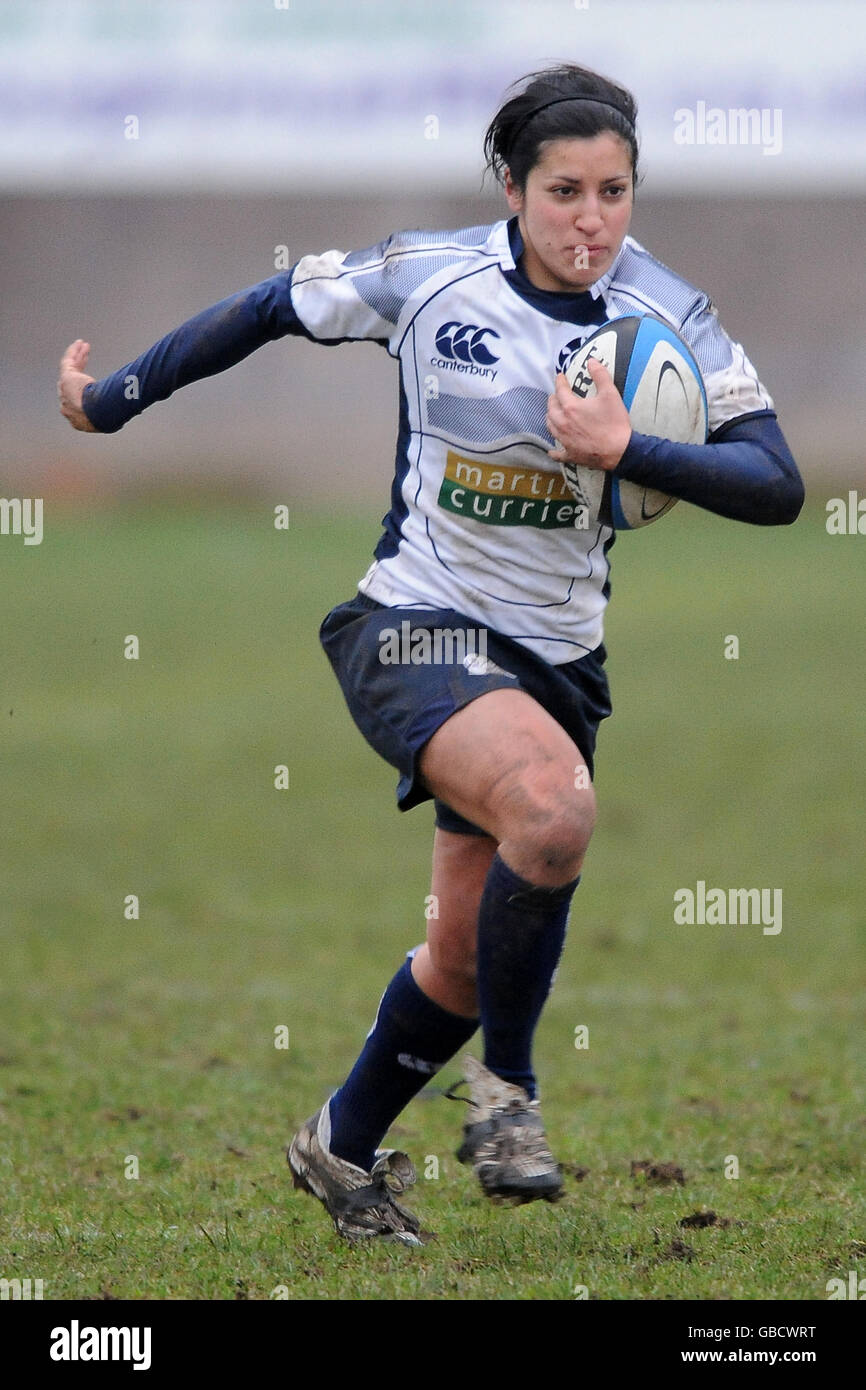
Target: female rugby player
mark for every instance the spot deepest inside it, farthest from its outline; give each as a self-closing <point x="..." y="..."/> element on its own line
<point x="482" y="541"/>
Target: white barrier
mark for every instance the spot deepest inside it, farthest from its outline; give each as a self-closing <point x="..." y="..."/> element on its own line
<point x="270" y="95"/>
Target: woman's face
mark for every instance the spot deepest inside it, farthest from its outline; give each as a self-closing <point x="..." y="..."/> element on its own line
<point x="574" y="210"/>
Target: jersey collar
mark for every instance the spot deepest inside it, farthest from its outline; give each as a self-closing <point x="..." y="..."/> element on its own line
<point x="577" y="307"/>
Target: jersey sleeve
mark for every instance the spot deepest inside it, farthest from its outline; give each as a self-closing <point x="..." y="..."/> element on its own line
<point x="211" y="342"/>
<point x="336" y="297"/>
<point x="343" y="297"/>
<point x="745" y="472"/>
<point x="367" y="294"/>
<point x="731" y="382"/>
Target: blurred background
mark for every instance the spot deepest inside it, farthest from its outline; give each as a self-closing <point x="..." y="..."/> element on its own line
<point x="159" y="156"/>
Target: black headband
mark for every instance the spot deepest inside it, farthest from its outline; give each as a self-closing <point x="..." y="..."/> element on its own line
<point x="556" y="101"/>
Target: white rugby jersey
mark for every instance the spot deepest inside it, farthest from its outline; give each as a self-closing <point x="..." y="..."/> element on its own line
<point x="481" y="520"/>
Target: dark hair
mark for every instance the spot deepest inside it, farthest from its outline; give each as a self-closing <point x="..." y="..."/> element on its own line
<point x="555" y="104"/>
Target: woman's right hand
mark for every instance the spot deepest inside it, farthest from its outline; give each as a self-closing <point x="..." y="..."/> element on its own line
<point x="70" y="387"/>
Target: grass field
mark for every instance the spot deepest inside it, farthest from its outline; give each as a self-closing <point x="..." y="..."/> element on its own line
<point x="153" y="1039"/>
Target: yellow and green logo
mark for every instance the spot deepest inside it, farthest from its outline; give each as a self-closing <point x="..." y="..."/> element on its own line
<point x="502" y="495"/>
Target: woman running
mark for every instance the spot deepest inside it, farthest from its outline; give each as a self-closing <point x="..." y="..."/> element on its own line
<point x="472" y="658"/>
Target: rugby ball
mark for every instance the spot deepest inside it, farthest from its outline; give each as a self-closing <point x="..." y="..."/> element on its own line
<point x="663" y="390"/>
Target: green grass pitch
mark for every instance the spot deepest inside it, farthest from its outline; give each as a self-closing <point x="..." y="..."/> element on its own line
<point x="148" y="1045"/>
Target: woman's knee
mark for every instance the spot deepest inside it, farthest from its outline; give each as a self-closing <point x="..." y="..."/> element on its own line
<point x="546" y="824"/>
<point x="454" y="959"/>
<point x="447" y="976"/>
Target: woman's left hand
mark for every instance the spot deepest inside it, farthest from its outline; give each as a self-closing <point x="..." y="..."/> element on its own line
<point x="593" y="431"/>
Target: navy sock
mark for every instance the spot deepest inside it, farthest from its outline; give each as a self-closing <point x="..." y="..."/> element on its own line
<point x="410" y="1040"/>
<point x="521" y="933"/>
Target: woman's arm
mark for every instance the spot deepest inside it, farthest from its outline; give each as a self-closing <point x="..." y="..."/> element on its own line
<point x="211" y="342"/>
<point x="745" y="471"/>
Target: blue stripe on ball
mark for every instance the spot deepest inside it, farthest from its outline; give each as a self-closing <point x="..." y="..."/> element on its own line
<point x="650" y="332"/>
<point x="616" y="513"/>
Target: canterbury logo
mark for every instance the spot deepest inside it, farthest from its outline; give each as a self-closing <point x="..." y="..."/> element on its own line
<point x="418" y="1064"/>
<point x="464" y="342"/>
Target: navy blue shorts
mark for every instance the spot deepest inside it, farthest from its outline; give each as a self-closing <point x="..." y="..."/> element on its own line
<point x="398" y="706"/>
